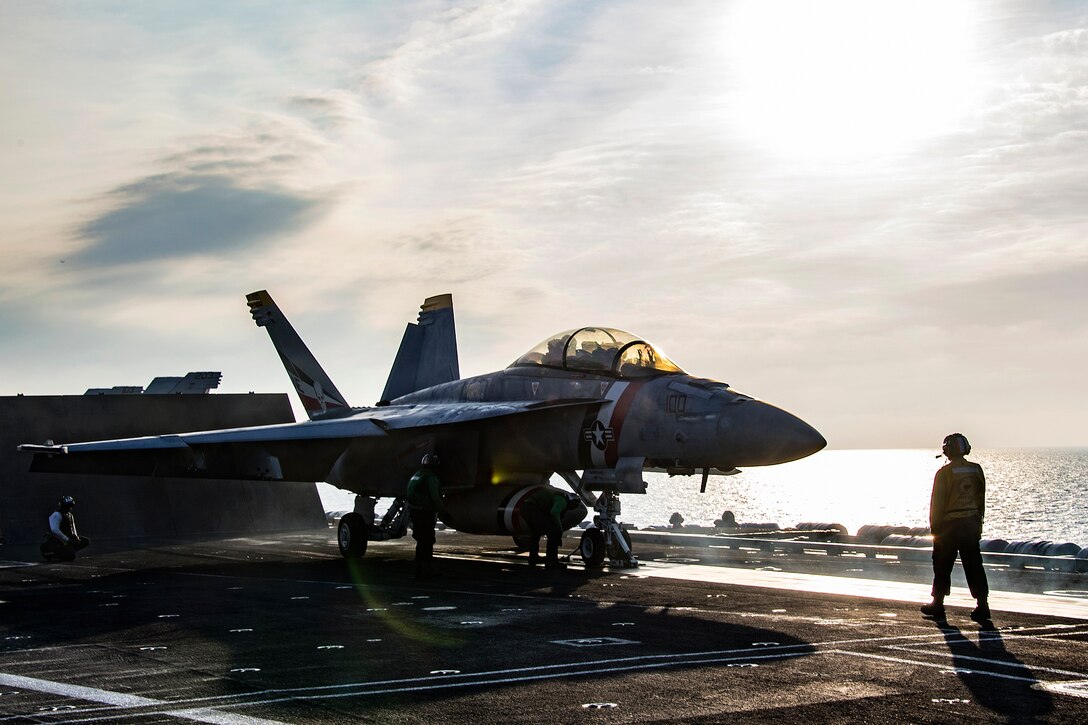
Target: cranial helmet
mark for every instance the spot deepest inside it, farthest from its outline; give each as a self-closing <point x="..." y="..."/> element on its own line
<point x="66" y="502"/>
<point x="957" y="443"/>
<point x="430" y="459"/>
<point x="572" y="501"/>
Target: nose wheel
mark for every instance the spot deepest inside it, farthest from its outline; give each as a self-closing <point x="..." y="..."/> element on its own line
<point x="597" y="547"/>
<point x="606" y="541"/>
<point x="592" y="548"/>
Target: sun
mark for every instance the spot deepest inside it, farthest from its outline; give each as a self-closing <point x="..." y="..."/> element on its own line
<point x="847" y="77"/>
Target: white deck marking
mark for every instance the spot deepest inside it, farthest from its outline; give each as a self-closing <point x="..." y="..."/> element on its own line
<point x="582" y="670"/>
<point x="1053" y="606"/>
<point x="1076" y="689"/>
<point x="1059" y="687"/>
<point x="990" y="661"/>
<point x="122" y="700"/>
<point x="934" y="665"/>
<point x="205" y="707"/>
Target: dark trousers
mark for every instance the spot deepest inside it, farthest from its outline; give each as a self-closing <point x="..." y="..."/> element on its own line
<point x="423" y="521"/>
<point x="541" y="524"/>
<point x="959" y="536"/>
<point x="54" y="548"/>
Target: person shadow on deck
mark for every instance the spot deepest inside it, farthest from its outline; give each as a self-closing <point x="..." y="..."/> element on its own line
<point x="995" y="677"/>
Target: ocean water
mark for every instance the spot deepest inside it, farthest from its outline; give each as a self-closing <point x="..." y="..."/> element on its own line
<point x="1031" y="493"/>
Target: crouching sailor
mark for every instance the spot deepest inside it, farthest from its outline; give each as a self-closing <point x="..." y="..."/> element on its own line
<point x="63" y="540"/>
<point x="543" y="513"/>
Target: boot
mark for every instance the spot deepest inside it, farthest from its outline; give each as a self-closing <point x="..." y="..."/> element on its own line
<point x="982" y="612"/>
<point x="934" y="609"/>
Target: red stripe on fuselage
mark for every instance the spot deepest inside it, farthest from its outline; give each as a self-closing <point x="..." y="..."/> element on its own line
<point x="619" y="414"/>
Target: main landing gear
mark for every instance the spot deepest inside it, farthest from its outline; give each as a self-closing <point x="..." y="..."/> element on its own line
<point x="351" y="535"/>
<point x="606" y="542"/>
<point x="356" y="529"/>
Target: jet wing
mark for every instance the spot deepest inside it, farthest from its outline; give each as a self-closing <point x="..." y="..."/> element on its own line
<point x="403" y="417"/>
<point x="306" y="431"/>
<point x="305" y="451"/>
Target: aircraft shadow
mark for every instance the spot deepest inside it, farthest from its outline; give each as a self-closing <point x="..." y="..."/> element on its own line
<point x="481" y="616"/>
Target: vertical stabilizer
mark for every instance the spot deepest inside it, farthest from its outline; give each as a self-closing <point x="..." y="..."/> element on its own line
<point x="315" y="389"/>
<point x="428" y="350"/>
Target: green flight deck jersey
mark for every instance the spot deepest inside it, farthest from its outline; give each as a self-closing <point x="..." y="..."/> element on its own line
<point x="424" y="491"/>
<point x="554" y="503"/>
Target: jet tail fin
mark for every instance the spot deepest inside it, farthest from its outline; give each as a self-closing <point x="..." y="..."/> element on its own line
<point x="428" y="350"/>
<point x="317" y="392"/>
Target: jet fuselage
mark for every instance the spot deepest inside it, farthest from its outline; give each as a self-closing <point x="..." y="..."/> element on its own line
<point x="671" y="420"/>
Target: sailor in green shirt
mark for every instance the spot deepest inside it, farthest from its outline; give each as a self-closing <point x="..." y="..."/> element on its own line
<point x="425" y="503"/>
<point x="543" y="512"/>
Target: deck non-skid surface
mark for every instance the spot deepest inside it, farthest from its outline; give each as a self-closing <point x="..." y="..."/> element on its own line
<point x="282" y="629"/>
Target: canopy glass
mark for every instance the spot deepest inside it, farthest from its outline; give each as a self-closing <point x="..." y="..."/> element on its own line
<point x="602" y="351"/>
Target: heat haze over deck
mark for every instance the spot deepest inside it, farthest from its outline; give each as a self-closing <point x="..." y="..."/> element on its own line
<point x="872" y="212"/>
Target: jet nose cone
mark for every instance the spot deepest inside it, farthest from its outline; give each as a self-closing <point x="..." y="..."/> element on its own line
<point x="804" y="440"/>
<point x="760" y="434"/>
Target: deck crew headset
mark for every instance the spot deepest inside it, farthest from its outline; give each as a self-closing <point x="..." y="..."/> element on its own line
<point x="956" y="443"/>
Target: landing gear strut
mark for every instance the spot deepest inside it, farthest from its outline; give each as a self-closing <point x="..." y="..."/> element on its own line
<point x="394" y="523"/>
<point x="606" y="542"/>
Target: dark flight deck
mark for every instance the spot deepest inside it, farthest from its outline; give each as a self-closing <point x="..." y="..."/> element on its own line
<point x="281" y="629"/>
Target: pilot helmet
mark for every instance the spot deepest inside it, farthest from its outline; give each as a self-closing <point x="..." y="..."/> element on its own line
<point x="430" y="459"/>
<point x="956" y="444"/>
<point x="66" y="503"/>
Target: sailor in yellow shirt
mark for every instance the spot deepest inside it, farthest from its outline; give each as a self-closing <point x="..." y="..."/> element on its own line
<point x="957" y="508"/>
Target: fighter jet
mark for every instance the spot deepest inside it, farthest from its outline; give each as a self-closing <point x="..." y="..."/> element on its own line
<point x="596" y="406"/>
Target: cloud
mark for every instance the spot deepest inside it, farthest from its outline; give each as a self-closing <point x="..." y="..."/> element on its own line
<point x="330" y="109"/>
<point x="395" y="77"/>
<point x="552" y="165"/>
<point x="215" y="193"/>
<point x="175" y="215"/>
<point x="1053" y="297"/>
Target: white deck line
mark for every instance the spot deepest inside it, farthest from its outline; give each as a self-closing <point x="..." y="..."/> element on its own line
<point x="126" y="701"/>
<point x="1043" y="604"/>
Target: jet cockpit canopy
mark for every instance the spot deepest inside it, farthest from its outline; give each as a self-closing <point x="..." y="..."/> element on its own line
<point x="601" y="351"/>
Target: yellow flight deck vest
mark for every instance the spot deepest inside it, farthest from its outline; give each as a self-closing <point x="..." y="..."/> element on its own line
<point x="959" y="492"/>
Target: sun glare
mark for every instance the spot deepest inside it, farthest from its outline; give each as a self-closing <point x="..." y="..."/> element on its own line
<point x="847" y="77"/>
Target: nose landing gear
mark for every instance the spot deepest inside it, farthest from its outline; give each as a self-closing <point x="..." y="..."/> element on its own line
<point x="606" y="542"/>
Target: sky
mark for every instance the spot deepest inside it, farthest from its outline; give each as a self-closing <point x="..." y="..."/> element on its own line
<point x="874" y="215"/>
